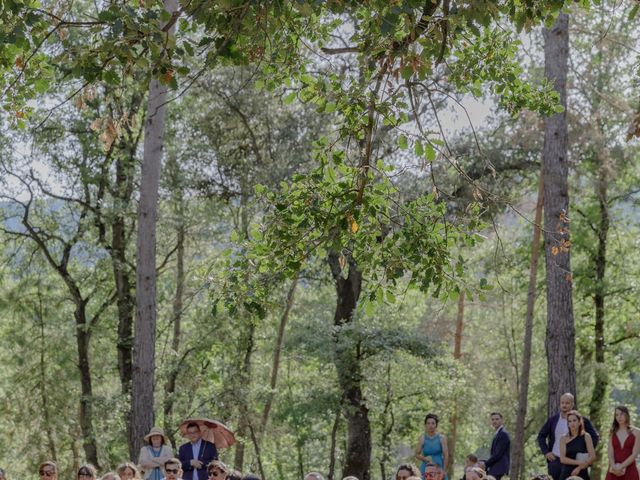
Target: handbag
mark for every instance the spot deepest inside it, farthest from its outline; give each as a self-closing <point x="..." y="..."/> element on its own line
<point x="582" y="457"/>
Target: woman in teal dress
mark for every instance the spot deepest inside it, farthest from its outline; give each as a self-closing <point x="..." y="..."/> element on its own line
<point x="432" y="446"/>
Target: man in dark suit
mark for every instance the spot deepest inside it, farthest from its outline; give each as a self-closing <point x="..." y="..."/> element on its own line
<point x="196" y="454"/>
<point x="498" y="463"/>
<point x="554" y="428"/>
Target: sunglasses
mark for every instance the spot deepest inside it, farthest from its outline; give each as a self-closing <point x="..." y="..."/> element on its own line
<point x="47" y="473"/>
<point x="216" y="473"/>
<point x="171" y="470"/>
<point x="84" y="474"/>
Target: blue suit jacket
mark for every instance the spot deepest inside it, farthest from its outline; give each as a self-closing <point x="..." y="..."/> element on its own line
<point x="207" y="453"/>
<point x="498" y="462"/>
<point x="547" y="434"/>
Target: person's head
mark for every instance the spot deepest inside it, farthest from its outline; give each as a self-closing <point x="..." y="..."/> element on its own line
<point x="87" y="472"/>
<point x="621" y="418"/>
<point x="406" y="470"/>
<point x="172" y="469"/>
<point x="128" y="471"/>
<point x="3" y="476"/>
<point x="431" y="422"/>
<point x="475" y="473"/>
<point x="496" y="420"/>
<point x="313" y="476"/>
<point x="350" y="477"/>
<point x="542" y="476"/>
<point x="155" y="437"/>
<point x="251" y="476"/>
<point x="234" y="475"/>
<point x="431" y="471"/>
<point x="48" y="470"/>
<point x="216" y="470"/>
<point x="471" y="460"/>
<point x="110" y="476"/>
<point x="575" y="423"/>
<point x="193" y="432"/>
<point x="567" y="401"/>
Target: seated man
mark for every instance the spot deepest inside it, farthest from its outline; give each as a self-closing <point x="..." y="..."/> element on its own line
<point x="172" y="469"/>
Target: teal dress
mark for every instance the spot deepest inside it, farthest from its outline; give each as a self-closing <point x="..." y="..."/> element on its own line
<point x="432" y="447"/>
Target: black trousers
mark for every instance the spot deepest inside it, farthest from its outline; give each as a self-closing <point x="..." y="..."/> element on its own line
<point x="555" y="469"/>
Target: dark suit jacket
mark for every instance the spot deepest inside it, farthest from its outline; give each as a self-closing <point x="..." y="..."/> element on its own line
<point x="498" y="463"/>
<point x="207" y="453"/>
<point x="547" y="434"/>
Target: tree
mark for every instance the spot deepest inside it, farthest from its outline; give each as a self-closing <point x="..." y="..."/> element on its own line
<point x="143" y="372"/>
<point x="560" y="337"/>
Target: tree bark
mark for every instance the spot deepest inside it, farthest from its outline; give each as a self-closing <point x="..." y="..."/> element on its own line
<point x="46" y="412"/>
<point x="124" y="300"/>
<point x="170" y="384"/>
<point x="142" y="394"/>
<point x="83" y="335"/>
<point x="457" y="356"/>
<point x="517" y="453"/>
<point x="347" y="360"/>
<point x="388" y="422"/>
<point x="277" y="351"/>
<point x="243" y="391"/>
<point x="334" y="444"/>
<point x="560" y="335"/>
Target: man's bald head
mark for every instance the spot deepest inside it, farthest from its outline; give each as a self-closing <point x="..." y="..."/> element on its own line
<point x="567" y="401"/>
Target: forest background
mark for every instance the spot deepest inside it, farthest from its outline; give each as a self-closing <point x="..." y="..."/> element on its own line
<point x="336" y="239"/>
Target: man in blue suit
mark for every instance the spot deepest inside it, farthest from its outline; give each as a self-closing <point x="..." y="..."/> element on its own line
<point x="196" y="454"/>
<point x="499" y="461"/>
<point x="554" y="428"/>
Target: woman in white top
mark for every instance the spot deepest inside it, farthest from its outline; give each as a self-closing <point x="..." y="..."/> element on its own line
<point x="154" y="454"/>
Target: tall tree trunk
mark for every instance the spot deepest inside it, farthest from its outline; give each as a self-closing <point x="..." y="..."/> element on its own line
<point x="334" y="445"/>
<point x="277" y="351"/>
<point x="121" y="274"/>
<point x="170" y="384"/>
<point x="517" y="453"/>
<point x="142" y="395"/>
<point x="46" y="413"/>
<point x="560" y="336"/>
<point x="243" y="392"/>
<point x="457" y="356"/>
<point x="598" y="396"/>
<point x="388" y="422"/>
<point x="347" y="360"/>
<point x="83" y="336"/>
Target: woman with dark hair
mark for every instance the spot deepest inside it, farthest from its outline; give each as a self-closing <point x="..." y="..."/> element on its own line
<point x="432" y="446"/>
<point x="624" y="447"/>
<point x="576" y="449"/>
<point x="87" y="472"/>
<point x="154" y="454"/>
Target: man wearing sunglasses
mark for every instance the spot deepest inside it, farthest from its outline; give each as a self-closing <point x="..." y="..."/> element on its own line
<point x="172" y="469"/>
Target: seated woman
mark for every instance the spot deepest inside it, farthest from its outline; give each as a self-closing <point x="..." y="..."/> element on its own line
<point x="407" y="470"/>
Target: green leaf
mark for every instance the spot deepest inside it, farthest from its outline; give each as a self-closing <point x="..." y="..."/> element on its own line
<point x="403" y="142"/>
<point x="429" y="153"/>
<point x="290" y="98"/>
